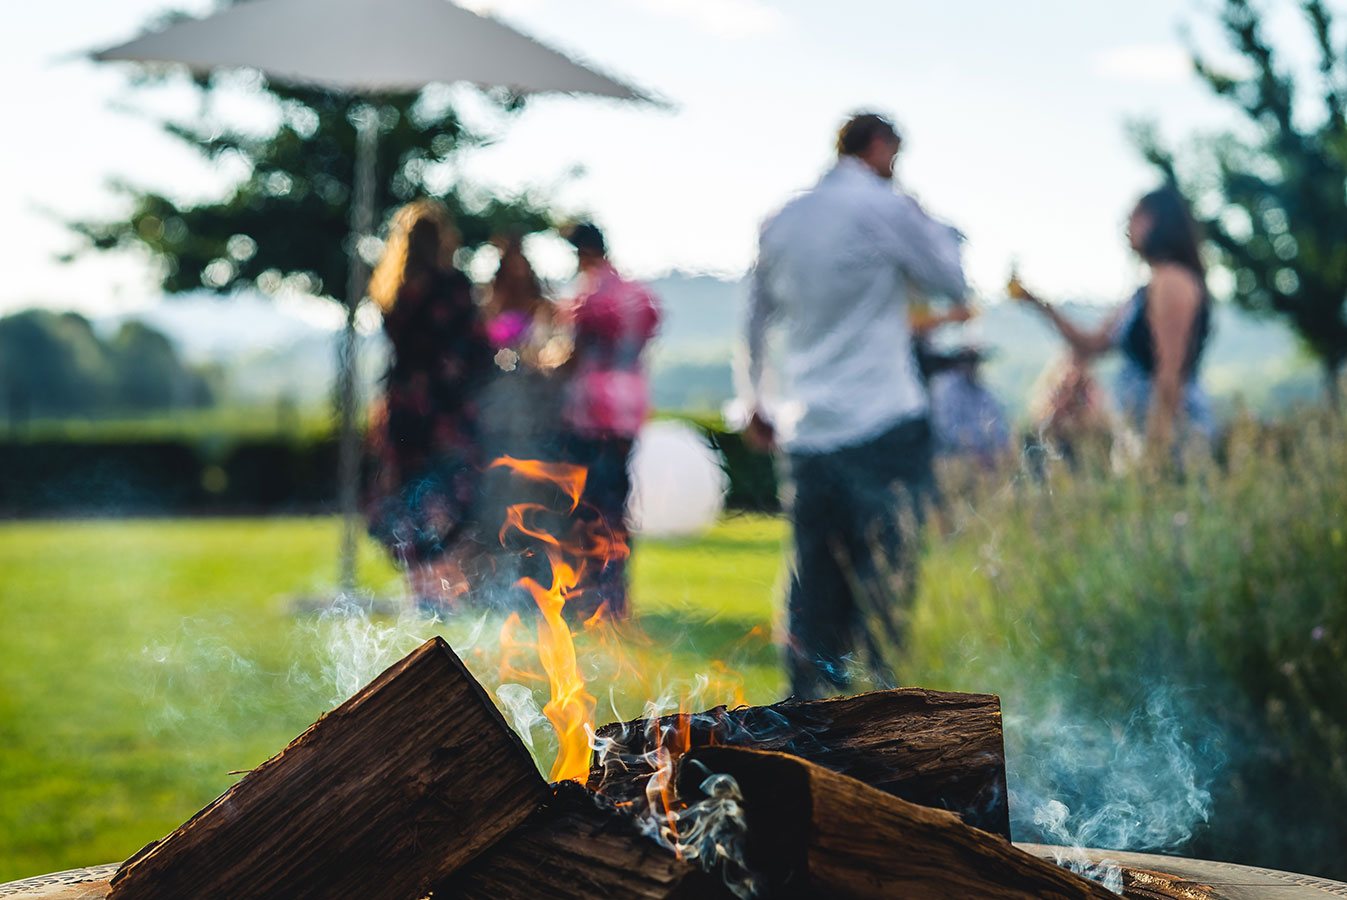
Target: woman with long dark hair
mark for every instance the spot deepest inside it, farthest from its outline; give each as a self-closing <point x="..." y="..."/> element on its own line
<point x="1161" y="331"/>
<point x="424" y="437"/>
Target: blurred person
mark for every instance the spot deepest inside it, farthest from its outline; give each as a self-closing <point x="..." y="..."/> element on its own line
<point x="967" y="423"/>
<point x="836" y="267"/>
<point x="424" y="438"/>
<point x="1161" y="331"/>
<point x="521" y="405"/>
<point x="966" y="420"/>
<point x="606" y="399"/>
<point x="923" y="321"/>
<point x="520" y="410"/>
<point x="1069" y="410"/>
<point x="519" y="316"/>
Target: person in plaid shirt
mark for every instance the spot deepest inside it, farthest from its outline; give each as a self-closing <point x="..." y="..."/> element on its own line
<point x="607" y="399"/>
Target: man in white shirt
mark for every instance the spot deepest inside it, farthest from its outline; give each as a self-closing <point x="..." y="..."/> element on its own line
<point x="835" y="269"/>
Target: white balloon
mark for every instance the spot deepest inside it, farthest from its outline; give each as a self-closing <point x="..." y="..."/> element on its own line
<point x="677" y="483"/>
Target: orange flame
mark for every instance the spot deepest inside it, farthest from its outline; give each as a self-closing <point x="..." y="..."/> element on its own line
<point x="670" y="747"/>
<point x="569" y="478"/>
<point x="571" y="707"/>
<point x="514" y="651"/>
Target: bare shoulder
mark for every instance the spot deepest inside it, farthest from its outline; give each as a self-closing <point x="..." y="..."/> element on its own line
<point x="1173" y="285"/>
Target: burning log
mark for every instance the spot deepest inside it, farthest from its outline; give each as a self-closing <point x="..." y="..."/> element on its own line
<point x="383" y="797"/>
<point x="580" y="846"/>
<point x="934" y="748"/>
<point x="811" y="832"/>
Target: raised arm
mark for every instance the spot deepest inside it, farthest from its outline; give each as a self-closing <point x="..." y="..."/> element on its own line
<point x="923" y="322"/>
<point x="1086" y="342"/>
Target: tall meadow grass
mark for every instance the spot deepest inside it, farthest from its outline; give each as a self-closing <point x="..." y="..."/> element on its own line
<point x="1090" y="598"/>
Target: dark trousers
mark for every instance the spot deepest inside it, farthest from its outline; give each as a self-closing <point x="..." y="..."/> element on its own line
<point x="602" y="516"/>
<point x="856" y="515"/>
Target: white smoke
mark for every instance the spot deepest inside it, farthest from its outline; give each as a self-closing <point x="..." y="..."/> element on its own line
<point x="1139" y="785"/>
<point x="712" y="832"/>
<point x="519" y="705"/>
<point x="353" y="646"/>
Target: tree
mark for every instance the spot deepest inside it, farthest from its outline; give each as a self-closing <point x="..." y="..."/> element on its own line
<point x="150" y="374"/>
<point x="1279" y="200"/>
<point x="289" y="217"/>
<point x="55" y="365"/>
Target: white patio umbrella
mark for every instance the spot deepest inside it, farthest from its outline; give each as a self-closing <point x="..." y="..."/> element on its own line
<point x="366" y="48"/>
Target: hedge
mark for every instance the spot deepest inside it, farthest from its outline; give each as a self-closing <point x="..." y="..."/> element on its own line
<point x="158" y="477"/>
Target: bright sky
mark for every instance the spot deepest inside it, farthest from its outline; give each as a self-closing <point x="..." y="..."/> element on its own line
<point x="1013" y="115"/>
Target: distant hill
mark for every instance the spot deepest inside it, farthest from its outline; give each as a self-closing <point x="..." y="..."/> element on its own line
<point x="702" y="316"/>
<point x="1256" y="361"/>
<point x="270" y="350"/>
<point x="264" y="350"/>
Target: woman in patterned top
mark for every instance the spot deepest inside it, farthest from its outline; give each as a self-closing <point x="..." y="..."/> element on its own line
<point x="424" y="440"/>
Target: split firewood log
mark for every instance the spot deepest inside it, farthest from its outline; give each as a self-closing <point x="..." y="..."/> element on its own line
<point x="579" y="846"/>
<point x="813" y="833"/>
<point x="380" y="799"/>
<point x="935" y="748"/>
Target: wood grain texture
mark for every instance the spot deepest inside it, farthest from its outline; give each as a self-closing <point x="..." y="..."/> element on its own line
<point x="73" y="884"/>
<point x="580" y="846"/>
<point x="1147" y="875"/>
<point x="936" y="748"/>
<point x="382" y="797"/>
<point x="813" y="833"/>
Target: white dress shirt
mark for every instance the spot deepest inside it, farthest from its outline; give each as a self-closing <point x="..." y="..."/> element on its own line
<point x="835" y="268"/>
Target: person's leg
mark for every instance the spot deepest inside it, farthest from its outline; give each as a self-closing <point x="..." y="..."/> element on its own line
<point x="610" y="499"/>
<point x="889" y="482"/>
<point x="819" y="610"/>
<point x="598" y="525"/>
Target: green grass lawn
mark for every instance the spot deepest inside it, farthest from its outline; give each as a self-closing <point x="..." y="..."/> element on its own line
<point x="142" y="661"/>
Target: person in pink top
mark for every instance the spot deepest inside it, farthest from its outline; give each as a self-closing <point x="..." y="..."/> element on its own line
<point x="606" y="400"/>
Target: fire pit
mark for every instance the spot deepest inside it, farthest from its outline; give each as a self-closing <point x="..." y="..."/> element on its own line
<point x="1145" y="877"/>
<point x="417" y="787"/>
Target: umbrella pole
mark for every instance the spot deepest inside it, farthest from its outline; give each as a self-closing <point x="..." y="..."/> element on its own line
<point x="365" y="119"/>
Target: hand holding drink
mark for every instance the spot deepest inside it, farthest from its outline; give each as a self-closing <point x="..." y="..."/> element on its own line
<point x="961" y="313"/>
<point x="1016" y="290"/>
<point x="921" y="318"/>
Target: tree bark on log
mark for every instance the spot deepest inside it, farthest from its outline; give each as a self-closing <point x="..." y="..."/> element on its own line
<point x="812" y="832"/>
<point x="935" y="748"/>
<point x="580" y="846"/>
<point x="380" y="799"/>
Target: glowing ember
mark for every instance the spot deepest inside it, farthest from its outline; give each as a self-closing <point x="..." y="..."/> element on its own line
<point x="660" y="793"/>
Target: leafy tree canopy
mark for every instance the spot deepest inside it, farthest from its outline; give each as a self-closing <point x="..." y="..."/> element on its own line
<point x="1278" y="201"/>
<point x="288" y="220"/>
